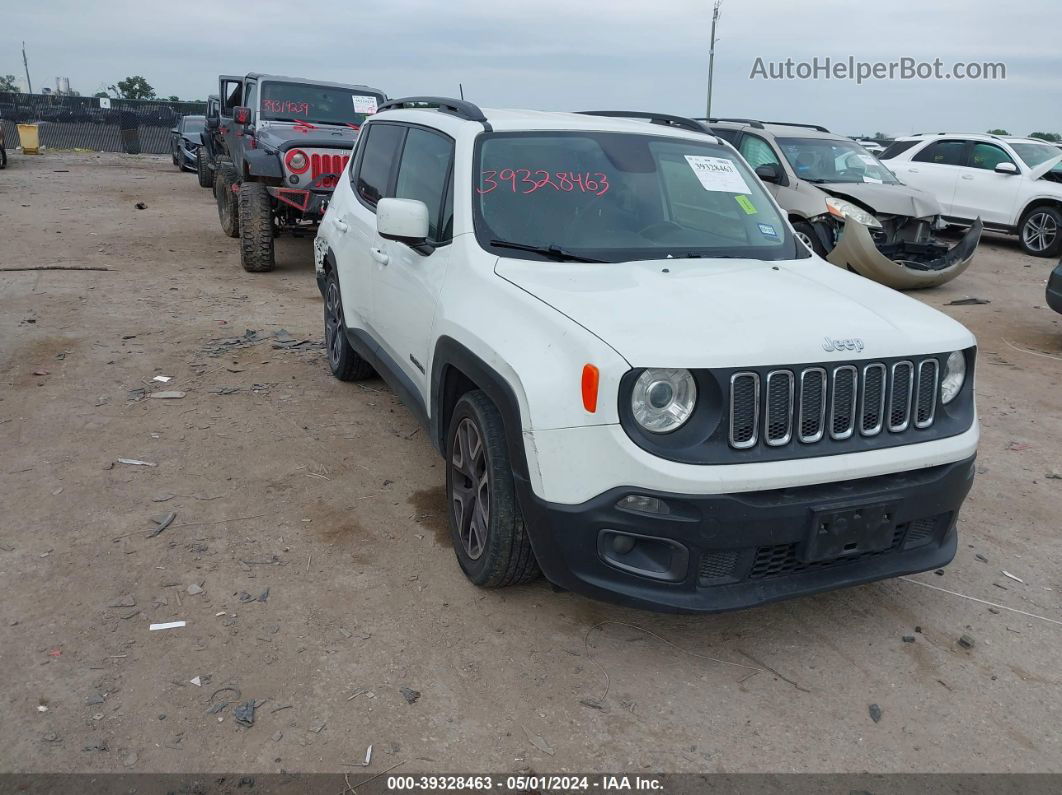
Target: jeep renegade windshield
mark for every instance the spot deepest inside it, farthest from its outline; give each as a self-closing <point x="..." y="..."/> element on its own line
<point x="832" y="160"/>
<point x="321" y="104"/>
<point x="615" y="197"/>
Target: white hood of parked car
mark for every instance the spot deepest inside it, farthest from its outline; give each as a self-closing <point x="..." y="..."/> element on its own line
<point x="735" y="313"/>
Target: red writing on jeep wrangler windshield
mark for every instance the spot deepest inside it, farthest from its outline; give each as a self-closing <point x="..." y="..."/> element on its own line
<point x="286" y="106"/>
<point x="527" y="180"/>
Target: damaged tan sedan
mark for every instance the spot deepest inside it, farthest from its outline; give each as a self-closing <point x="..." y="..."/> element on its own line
<point x="848" y="207"/>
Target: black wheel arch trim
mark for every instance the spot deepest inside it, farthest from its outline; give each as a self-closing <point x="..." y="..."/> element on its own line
<point x="260" y="163"/>
<point x="449" y="353"/>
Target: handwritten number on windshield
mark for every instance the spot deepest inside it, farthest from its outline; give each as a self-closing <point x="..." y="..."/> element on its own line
<point x="517" y="179"/>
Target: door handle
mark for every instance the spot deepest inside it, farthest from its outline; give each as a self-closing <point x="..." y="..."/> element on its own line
<point x="340" y="225"/>
<point x="912" y="171"/>
<point x="967" y="176"/>
<point x="379" y="255"/>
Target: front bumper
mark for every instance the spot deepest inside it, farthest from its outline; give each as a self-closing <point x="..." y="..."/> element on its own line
<point x="856" y="250"/>
<point x="312" y="204"/>
<point x="1054" y="289"/>
<point x="729" y="551"/>
<point x="189" y="155"/>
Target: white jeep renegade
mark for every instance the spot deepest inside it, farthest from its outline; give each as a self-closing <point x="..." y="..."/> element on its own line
<point x="641" y="382"/>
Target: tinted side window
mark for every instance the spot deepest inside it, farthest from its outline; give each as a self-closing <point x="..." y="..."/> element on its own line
<point x="758" y="152"/>
<point x="988" y="156"/>
<point x="424" y="173"/>
<point x="896" y="148"/>
<point x="944" y="153"/>
<point x="377" y="161"/>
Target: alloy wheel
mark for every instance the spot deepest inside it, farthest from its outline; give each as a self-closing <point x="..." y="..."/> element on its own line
<point x="470" y="487"/>
<point x="333" y="324"/>
<point x="1040" y="232"/>
<point x="803" y="238"/>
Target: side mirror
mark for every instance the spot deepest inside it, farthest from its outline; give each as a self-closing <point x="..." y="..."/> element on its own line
<point x="769" y="173"/>
<point x="213" y="123"/>
<point x="1006" y="168"/>
<point x="404" y="220"/>
<point x="241" y="114"/>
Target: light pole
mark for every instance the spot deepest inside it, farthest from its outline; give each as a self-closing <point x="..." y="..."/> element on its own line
<point x="711" y="55"/>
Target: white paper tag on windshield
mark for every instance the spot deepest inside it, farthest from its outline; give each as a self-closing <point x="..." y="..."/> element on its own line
<point x="364" y="104"/>
<point x="717" y="174"/>
<point x="872" y="180"/>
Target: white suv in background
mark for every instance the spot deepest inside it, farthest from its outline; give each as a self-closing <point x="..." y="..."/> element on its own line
<point x="640" y="381"/>
<point x="1014" y="185"/>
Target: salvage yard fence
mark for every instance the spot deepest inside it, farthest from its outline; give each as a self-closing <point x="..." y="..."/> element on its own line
<point x="133" y="126"/>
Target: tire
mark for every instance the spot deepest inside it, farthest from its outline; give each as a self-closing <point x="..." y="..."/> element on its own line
<point x="176" y="162"/>
<point x="202" y="169"/>
<point x="256" y="228"/>
<point x="343" y="360"/>
<point x="228" y="210"/>
<point x="3" y="157"/>
<point x="806" y="233"/>
<point x="1040" y="232"/>
<point x="491" y="542"/>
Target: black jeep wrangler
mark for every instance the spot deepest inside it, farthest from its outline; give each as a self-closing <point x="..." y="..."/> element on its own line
<point x="285" y="141"/>
<point x="206" y="155"/>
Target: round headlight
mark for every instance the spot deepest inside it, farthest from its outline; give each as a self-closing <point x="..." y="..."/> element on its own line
<point x="663" y="400"/>
<point x="297" y="161"/>
<point x="954" y="376"/>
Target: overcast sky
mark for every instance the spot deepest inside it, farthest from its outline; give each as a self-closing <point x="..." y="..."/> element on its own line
<point x="571" y="54"/>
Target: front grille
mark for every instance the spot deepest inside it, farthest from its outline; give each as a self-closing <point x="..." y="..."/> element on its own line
<point x="774" y="561"/>
<point x="327" y="164"/>
<point x="716" y="565"/>
<point x="847" y="402"/>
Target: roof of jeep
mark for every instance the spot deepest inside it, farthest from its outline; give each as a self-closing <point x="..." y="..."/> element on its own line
<point x="514" y="120"/>
<point x="287" y="79"/>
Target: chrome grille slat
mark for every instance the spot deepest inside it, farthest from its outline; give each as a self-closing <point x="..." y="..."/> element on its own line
<point x="926" y="399"/>
<point x="900" y="392"/>
<point x="744" y="410"/>
<point x="778" y="420"/>
<point x="872" y="400"/>
<point x="806" y="403"/>
<point x="812" y="412"/>
<point x="844" y="386"/>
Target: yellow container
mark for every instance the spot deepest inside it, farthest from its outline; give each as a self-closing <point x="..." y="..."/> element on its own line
<point x="28" y="138"/>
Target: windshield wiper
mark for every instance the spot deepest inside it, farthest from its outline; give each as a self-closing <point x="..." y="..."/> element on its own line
<point x="551" y="251"/>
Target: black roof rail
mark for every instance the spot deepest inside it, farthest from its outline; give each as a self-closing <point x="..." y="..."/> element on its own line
<point x="818" y="127"/>
<point x="455" y="107"/>
<point x="665" y="119"/>
<point x="751" y="122"/>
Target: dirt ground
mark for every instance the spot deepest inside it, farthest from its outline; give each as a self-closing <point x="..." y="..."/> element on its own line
<point x="310" y="514"/>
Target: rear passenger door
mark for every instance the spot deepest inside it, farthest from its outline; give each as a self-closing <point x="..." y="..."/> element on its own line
<point x="406" y="283"/>
<point x="935" y="169"/>
<point x="230" y="88"/>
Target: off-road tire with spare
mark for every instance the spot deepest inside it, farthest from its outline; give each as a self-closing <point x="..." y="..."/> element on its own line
<point x="1040" y="231"/>
<point x="344" y="362"/>
<point x="202" y="168"/>
<point x="486" y="524"/>
<point x="228" y="206"/>
<point x="256" y="228"/>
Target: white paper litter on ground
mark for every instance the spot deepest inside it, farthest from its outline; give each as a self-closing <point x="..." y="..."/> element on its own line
<point x="163" y="378"/>
<point x="135" y="462"/>
<point x="168" y="625"/>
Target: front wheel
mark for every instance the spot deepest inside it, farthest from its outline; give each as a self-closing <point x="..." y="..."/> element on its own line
<point x="1041" y="232"/>
<point x="256" y="228"/>
<point x="806" y="234"/>
<point x="486" y="525"/>
<point x="3" y="157"/>
<point x="343" y="360"/>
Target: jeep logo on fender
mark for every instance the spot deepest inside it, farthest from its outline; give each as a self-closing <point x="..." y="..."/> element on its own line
<point x="852" y="344"/>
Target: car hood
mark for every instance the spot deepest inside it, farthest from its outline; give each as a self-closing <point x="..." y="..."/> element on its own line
<point x="886" y="199"/>
<point x="735" y="313"/>
<point x="280" y="135"/>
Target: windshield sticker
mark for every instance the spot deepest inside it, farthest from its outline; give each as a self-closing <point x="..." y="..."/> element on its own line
<point x="746" y="204"/>
<point x="364" y="104"/>
<point x="526" y="180"/>
<point x="868" y="159"/>
<point x="872" y="180"/>
<point x="767" y="230"/>
<point x="717" y="174"/>
<point x="286" y="106"/>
